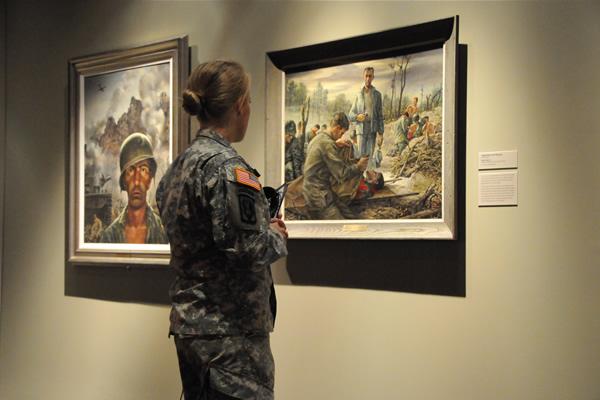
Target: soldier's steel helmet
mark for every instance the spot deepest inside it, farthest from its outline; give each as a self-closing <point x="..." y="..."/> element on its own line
<point x="135" y="148"/>
<point x="290" y="127"/>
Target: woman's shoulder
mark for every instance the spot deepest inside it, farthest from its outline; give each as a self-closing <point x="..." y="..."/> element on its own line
<point x="236" y="168"/>
<point x="231" y="169"/>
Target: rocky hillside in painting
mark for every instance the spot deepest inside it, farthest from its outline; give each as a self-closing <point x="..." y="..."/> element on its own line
<point x="115" y="132"/>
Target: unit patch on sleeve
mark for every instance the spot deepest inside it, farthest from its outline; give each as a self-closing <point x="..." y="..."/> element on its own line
<point x="247" y="208"/>
<point x="244" y="207"/>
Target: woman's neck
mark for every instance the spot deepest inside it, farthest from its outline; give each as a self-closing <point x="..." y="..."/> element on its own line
<point x="227" y="132"/>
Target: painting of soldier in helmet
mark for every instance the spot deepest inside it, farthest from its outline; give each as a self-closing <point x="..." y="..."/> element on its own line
<point x="126" y="153"/>
<point x="125" y="138"/>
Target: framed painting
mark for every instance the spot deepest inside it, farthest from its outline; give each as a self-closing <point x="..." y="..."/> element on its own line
<point x="125" y="129"/>
<point x="363" y="132"/>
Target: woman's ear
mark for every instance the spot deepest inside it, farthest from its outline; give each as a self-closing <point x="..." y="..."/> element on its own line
<point x="239" y="105"/>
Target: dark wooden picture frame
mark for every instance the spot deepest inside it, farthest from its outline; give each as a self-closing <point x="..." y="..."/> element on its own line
<point x="113" y="95"/>
<point x="441" y="34"/>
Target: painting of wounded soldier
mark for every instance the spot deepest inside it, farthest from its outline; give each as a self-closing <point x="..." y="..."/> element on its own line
<point x="370" y="140"/>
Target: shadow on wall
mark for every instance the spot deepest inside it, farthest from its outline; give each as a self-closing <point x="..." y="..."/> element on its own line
<point x="136" y="284"/>
<point x="431" y="267"/>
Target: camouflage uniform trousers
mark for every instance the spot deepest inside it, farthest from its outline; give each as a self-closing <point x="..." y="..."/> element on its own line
<point x="226" y="367"/>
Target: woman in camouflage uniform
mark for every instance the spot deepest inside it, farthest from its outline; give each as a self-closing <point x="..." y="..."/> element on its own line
<point x="222" y="244"/>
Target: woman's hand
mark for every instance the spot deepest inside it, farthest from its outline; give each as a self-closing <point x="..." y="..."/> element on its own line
<point x="278" y="225"/>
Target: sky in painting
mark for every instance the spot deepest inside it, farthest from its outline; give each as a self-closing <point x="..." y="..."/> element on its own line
<point x="424" y="73"/>
<point x="109" y="94"/>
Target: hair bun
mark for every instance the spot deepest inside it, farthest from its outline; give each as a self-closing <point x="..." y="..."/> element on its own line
<point x="192" y="102"/>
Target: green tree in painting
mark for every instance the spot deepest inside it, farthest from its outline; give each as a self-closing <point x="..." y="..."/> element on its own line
<point x="295" y="94"/>
<point x="290" y="91"/>
<point x="319" y="102"/>
<point x="387" y="107"/>
<point x="340" y="103"/>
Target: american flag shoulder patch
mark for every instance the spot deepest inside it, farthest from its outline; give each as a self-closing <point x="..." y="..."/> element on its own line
<point x="247" y="178"/>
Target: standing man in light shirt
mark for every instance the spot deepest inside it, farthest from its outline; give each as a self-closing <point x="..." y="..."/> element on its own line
<point x="367" y="113"/>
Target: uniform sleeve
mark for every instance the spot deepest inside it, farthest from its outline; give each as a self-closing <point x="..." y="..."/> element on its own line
<point x="240" y="220"/>
<point x="340" y="169"/>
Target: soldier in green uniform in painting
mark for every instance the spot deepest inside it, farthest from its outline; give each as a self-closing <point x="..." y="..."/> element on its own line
<point x="324" y="167"/>
<point x="294" y="156"/>
<point x="137" y="223"/>
<point x="400" y="131"/>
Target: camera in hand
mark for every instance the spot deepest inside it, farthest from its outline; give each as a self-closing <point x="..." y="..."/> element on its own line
<point x="275" y="198"/>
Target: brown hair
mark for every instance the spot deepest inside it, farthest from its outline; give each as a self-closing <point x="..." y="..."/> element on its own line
<point x="213" y="89"/>
<point x="340" y="119"/>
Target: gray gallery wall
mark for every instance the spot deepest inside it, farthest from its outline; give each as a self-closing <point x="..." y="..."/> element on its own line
<point x="528" y="327"/>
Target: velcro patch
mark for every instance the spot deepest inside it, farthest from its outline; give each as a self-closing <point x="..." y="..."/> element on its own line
<point x="247" y="208"/>
<point x="247" y="178"/>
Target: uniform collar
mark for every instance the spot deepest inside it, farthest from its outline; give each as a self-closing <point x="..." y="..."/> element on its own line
<point x="214" y="135"/>
<point x="371" y="89"/>
<point x="122" y="220"/>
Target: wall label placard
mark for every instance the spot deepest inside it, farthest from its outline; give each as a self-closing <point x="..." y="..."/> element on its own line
<point x="498" y="159"/>
<point x="498" y="188"/>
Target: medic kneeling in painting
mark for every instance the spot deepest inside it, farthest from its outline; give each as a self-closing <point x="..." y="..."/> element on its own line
<point x="333" y="178"/>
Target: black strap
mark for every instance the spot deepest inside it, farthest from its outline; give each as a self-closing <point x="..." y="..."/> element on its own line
<point x="210" y="158"/>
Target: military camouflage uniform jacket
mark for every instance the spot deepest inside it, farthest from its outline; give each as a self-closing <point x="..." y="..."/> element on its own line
<point x="115" y="233"/>
<point x="217" y="220"/>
